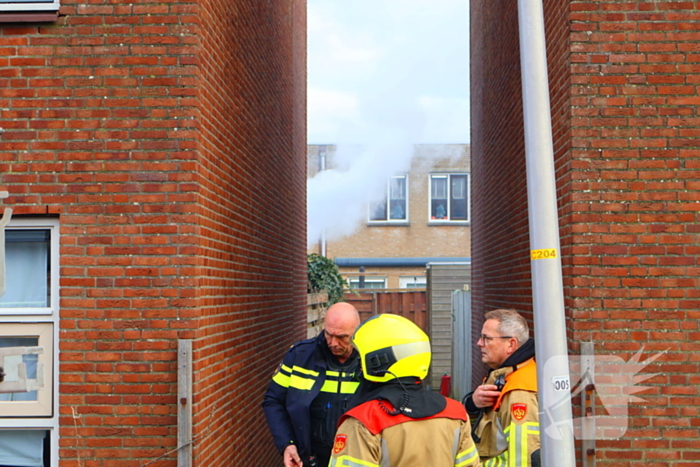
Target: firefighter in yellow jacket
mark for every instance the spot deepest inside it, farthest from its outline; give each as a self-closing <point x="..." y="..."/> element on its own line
<point x="394" y="420"/>
<point x="506" y="427"/>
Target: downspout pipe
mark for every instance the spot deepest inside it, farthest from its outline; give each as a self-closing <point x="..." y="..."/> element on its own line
<point x="556" y="426"/>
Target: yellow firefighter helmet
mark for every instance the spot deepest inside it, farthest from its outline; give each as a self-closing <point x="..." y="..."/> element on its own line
<point x="391" y="346"/>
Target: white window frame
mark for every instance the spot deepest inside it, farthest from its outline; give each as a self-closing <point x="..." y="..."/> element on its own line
<point x="36" y="224"/>
<point x="47" y="316"/>
<point x="29" y="6"/>
<point x="372" y="279"/>
<point x="388" y="199"/>
<point x="420" y="281"/>
<point x="43" y="405"/>
<point x="448" y="177"/>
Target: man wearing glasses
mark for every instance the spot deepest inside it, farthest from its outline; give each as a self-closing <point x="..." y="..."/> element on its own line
<point x="506" y="428"/>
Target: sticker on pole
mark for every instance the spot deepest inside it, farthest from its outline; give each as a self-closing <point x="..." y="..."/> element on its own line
<point x="546" y="253"/>
<point x="561" y="383"/>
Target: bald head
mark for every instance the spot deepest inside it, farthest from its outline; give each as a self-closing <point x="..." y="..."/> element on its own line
<point x="339" y="325"/>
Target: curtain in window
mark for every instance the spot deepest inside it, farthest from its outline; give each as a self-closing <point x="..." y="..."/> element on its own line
<point x="22" y="448"/>
<point x="377" y="211"/>
<point x="438" y="197"/>
<point x="26" y="270"/>
<point x="458" y="204"/>
<point x="397" y="197"/>
<point x="393" y="206"/>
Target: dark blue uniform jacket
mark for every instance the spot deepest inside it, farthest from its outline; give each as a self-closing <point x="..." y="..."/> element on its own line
<point x="304" y="372"/>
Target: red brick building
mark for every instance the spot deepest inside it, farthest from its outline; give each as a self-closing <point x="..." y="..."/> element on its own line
<point x="155" y="153"/>
<point x="623" y="80"/>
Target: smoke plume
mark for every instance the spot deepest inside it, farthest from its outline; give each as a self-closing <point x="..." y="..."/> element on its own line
<point x="383" y="76"/>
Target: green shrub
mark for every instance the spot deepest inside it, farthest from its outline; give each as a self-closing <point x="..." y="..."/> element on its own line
<point x="323" y="276"/>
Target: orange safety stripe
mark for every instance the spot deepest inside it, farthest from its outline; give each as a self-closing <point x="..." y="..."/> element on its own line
<point x="524" y="378"/>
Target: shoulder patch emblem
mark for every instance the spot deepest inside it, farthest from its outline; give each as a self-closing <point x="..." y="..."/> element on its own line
<point x="339" y="443"/>
<point x="518" y="411"/>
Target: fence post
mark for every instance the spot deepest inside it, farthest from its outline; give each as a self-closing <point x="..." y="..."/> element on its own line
<point x="588" y="405"/>
<point x="184" y="406"/>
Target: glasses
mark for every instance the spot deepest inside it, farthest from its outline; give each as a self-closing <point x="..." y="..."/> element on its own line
<point x="486" y="338"/>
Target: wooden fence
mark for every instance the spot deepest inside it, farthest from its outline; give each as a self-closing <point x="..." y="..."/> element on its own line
<point x="407" y="303"/>
<point x="315" y="312"/>
<point x="410" y="304"/>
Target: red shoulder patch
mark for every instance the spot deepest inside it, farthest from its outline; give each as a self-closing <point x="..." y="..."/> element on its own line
<point x="518" y="411"/>
<point x="339" y="443"/>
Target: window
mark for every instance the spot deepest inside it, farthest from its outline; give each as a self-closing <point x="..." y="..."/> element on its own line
<point x="8" y="6"/>
<point x="369" y="283"/>
<point x="27" y="288"/>
<point x="29" y="343"/>
<point x="412" y="282"/>
<point x="449" y="198"/>
<point x="26" y="368"/>
<point x="26" y="11"/>
<point x="394" y="206"/>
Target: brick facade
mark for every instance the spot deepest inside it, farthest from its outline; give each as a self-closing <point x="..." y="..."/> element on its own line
<point x="416" y="238"/>
<point x="169" y="139"/>
<point x="623" y="85"/>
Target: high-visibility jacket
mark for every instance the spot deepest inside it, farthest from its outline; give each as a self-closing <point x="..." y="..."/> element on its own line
<point x="509" y="432"/>
<point x="305" y="372"/>
<point x="369" y="437"/>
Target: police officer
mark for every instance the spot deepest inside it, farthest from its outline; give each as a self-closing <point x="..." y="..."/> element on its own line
<point x="311" y="389"/>
<point x="507" y="428"/>
<point x="395" y="420"/>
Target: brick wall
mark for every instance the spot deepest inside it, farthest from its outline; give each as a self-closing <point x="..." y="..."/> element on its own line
<point x="627" y="169"/>
<point x="500" y="268"/>
<point x="170" y="140"/>
<point x="254" y="176"/>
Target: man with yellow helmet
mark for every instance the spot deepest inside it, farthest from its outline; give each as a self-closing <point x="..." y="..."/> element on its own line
<point x="394" y="420"/>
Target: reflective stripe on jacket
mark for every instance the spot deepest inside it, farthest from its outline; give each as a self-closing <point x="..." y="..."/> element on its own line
<point x="509" y="432"/>
<point x="442" y="440"/>
<point x="299" y="379"/>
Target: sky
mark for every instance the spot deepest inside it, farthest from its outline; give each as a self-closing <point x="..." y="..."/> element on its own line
<point x="383" y="75"/>
<point x="402" y="64"/>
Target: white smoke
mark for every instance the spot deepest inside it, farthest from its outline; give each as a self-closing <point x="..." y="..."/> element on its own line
<point x="384" y="75"/>
<point x="338" y="199"/>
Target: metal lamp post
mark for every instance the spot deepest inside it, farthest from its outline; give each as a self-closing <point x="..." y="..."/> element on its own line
<point x="556" y="428"/>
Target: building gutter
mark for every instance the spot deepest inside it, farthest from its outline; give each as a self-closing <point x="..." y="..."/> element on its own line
<point x="397" y="262"/>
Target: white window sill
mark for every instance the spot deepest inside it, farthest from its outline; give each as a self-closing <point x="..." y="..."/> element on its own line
<point x="388" y="224"/>
<point x="444" y="222"/>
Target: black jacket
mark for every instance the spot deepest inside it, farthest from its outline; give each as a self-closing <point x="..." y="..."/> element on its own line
<point x="307" y="369"/>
